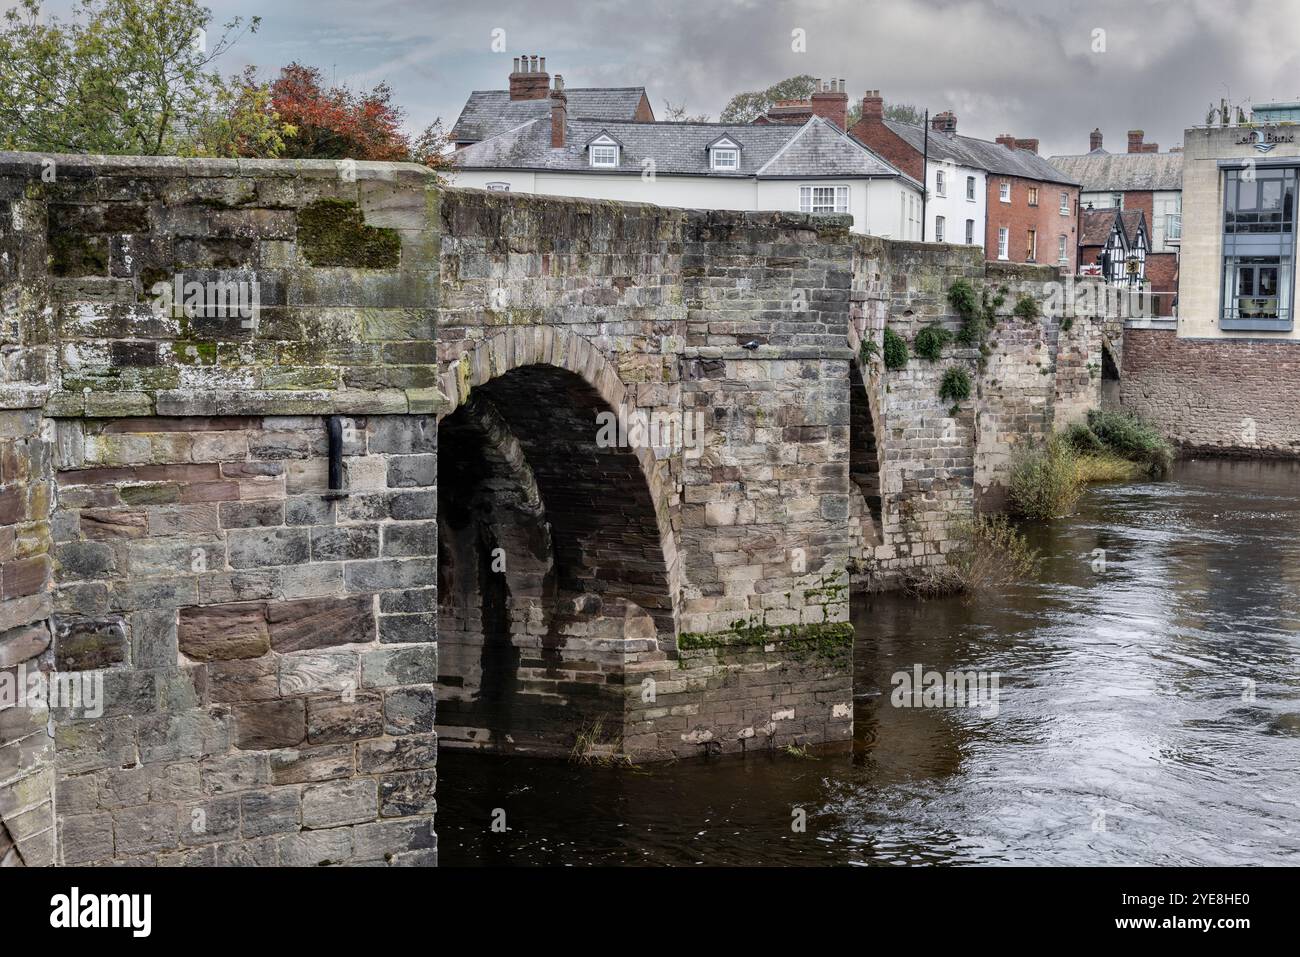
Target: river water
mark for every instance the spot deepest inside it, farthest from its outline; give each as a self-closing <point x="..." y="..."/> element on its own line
<point x="1148" y="712"/>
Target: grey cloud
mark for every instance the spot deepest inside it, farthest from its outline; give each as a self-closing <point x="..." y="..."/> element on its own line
<point x="1002" y="66"/>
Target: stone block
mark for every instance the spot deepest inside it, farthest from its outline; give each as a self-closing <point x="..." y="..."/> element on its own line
<point x="339" y="802"/>
<point x="270" y="724"/>
<point x="224" y="632"/>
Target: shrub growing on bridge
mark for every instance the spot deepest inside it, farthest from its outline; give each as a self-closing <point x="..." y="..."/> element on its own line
<point x="955" y="386"/>
<point x="930" y="342"/>
<point x="895" y="351"/>
<point x="978" y="310"/>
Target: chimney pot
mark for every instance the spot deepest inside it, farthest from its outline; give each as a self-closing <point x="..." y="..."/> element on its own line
<point x="529" y="82"/>
<point x="543" y="64"/>
<point x="873" y="107"/>
<point x="831" y="103"/>
<point x="559" y="113"/>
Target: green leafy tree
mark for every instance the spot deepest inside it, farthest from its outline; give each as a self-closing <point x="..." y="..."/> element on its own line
<point x="747" y="107"/>
<point x="898" y="112"/>
<point x="122" y="76"/>
<point x="242" y="122"/>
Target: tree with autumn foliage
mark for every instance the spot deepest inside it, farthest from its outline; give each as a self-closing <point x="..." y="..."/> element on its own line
<point x="296" y="116"/>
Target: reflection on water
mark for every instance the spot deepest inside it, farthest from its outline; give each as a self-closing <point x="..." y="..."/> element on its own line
<point x="1149" y="712"/>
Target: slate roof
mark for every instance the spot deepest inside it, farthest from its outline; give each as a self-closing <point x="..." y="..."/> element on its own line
<point x="489" y="112"/>
<point x="1095" y="226"/>
<point x="774" y="151"/>
<point x="1120" y="172"/>
<point x="981" y="154"/>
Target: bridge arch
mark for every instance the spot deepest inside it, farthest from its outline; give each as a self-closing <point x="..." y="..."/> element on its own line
<point x="556" y="556"/>
<point x="866" y="471"/>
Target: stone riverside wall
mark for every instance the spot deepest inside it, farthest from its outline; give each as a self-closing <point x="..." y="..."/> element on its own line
<point x="274" y="689"/>
<point x="1222" y="396"/>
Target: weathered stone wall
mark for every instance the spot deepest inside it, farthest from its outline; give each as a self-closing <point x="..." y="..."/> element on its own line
<point x="266" y="645"/>
<point x="27" y="832"/>
<point x="765" y="506"/>
<point x="1219" y="396"/>
<point x="941" y="461"/>
<point x="26" y="748"/>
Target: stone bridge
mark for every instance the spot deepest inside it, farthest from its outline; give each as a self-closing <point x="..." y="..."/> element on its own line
<point x="311" y="469"/>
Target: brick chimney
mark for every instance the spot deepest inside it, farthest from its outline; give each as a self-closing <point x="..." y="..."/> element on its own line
<point x="1031" y="145"/>
<point x="1135" y="144"/>
<point x="1094" y="139"/>
<point x="1007" y="140"/>
<point x="559" y="112"/>
<point x="830" y="102"/>
<point x="945" y="122"/>
<point x="530" y="81"/>
<point x="873" y="107"/>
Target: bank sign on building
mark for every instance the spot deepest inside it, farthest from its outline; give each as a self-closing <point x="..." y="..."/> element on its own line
<point x="1238" y="275"/>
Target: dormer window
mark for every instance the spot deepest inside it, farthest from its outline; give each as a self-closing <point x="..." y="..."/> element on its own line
<point x="724" y="155"/>
<point x="602" y="152"/>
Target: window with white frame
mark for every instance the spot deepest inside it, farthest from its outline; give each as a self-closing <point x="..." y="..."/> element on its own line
<point x="1004" y="192"/>
<point x="1061" y="254"/>
<point x="604" y="153"/>
<point x="725" y="158"/>
<point x="970" y="188"/>
<point x="970" y="232"/>
<point x="1002" y="242"/>
<point x="823" y="199"/>
<point x="1065" y="204"/>
<point x="940" y="183"/>
<point x="499" y="187"/>
<point x="938" y="229"/>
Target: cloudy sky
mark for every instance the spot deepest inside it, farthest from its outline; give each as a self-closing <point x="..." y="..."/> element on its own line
<point x="1051" y="69"/>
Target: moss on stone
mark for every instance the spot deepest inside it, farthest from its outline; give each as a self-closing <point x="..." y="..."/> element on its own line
<point x="332" y="232"/>
<point x="829" y="638"/>
<point x="195" y="352"/>
<point x="74" y="255"/>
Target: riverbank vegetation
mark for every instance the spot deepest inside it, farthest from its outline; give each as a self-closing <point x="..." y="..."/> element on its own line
<point x="987" y="553"/>
<point x="1046" y="481"/>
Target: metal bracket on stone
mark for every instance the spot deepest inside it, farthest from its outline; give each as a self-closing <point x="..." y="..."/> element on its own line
<point x="334" y="429"/>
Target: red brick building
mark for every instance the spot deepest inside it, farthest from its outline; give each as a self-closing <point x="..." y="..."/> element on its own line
<point x="1031" y="208"/>
<point x="829" y="101"/>
<point x="1141" y="178"/>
